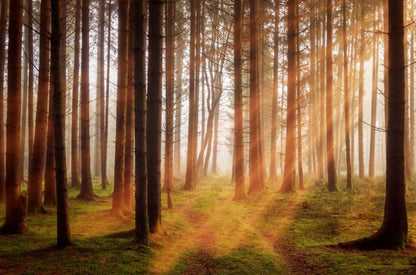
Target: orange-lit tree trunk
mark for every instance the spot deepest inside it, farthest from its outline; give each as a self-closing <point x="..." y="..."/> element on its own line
<point x="75" y="181"/>
<point x="141" y="192"/>
<point x="346" y="94"/>
<point x="30" y="84"/>
<point x="239" y="192"/>
<point x="190" y="176"/>
<point x="361" y="97"/>
<point x="288" y="184"/>
<point x="119" y="164"/>
<point x="100" y="92"/>
<point x="86" y="182"/>
<point x="298" y="103"/>
<point x="332" y="181"/>
<point x="3" y="30"/>
<point x="273" y="134"/>
<point x="374" y="92"/>
<point x="256" y="147"/>
<point x="58" y="74"/>
<point x="15" y="202"/>
<point x="129" y="154"/>
<point x="37" y="163"/>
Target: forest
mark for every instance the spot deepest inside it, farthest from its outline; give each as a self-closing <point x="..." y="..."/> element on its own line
<point x="207" y="137"/>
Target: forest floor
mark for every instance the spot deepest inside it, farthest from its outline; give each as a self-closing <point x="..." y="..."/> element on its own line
<point x="208" y="233"/>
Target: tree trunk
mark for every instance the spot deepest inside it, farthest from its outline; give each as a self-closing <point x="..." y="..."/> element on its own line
<point x="122" y="83"/>
<point x="104" y="141"/>
<point x="100" y="91"/>
<point x="37" y="164"/>
<point x="86" y="183"/>
<point x="361" y="98"/>
<point x="190" y="161"/>
<point x="30" y="84"/>
<point x="58" y="75"/>
<point x="288" y="183"/>
<point x="393" y="233"/>
<point x="298" y="104"/>
<point x="15" y="202"/>
<point x="346" y="94"/>
<point x="332" y="181"/>
<point x="142" y="218"/>
<point x="170" y="89"/>
<point x="129" y="157"/>
<point x="273" y="134"/>
<point x="154" y="107"/>
<point x="374" y="92"/>
<point x="239" y="193"/>
<point x="75" y="182"/>
<point x="3" y="30"/>
<point x="256" y="147"/>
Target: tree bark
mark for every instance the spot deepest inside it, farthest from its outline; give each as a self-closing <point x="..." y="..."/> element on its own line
<point x="332" y="181"/>
<point x="75" y="181"/>
<point x="37" y="164"/>
<point x="154" y="107"/>
<point x="15" y="202"/>
<point x="141" y="195"/>
<point x="122" y="83"/>
<point x="86" y="183"/>
<point x="3" y="30"/>
<point x="288" y="183"/>
<point x="58" y="75"/>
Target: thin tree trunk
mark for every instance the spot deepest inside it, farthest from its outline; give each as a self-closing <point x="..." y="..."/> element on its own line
<point x="170" y="89"/>
<point x="37" y="164"/>
<point x="273" y="134"/>
<point x="122" y="85"/>
<point x="86" y="182"/>
<point x="75" y="181"/>
<point x="346" y="94"/>
<point x="361" y="98"/>
<point x="129" y="157"/>
<point x="288" y="183"/>
<point x="332" y="181"/>
<point x="374" y="92"/>
<point x="3" y="30"/>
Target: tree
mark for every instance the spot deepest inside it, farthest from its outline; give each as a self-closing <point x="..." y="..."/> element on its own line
<point x="154" y="109"/>
<point x="118" y="195"/>
<point x="15" y="201"/>
<point x="273" y="138"/>
<point x="75" y="182"/>
<point x="58" y="77"/>
<point x="141" y="193"/>
<point x="255" y="154"/>
<point x="36" y="165"/>
<point x="190" y="177"/>
<point x="3" y="30"/>
<point x="289" y="170"/>
<point x="332" y="181"/>
<point x="393" y="233"/>
<point x="100" y="93"/>
<point x="170" y="90"/>
<point x="361" y="96"/>
<point x="86" y="183"/>
<point x="346" y="95"/>
<point x="239" y="193"/>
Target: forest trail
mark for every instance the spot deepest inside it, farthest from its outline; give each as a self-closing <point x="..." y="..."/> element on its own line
<point x="217" y="227"/>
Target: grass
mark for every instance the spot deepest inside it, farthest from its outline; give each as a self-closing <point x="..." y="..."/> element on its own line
<point x="208" y="233"/>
